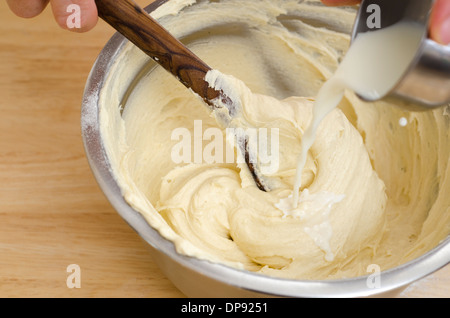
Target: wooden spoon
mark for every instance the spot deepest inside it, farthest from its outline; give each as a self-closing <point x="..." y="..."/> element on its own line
<point x="147" y="34"/>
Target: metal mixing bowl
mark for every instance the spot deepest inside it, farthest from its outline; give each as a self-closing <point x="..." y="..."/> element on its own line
<point x="198" y="278"/>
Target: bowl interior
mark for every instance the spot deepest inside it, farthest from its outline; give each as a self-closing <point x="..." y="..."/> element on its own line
<point x="119" y="60"/>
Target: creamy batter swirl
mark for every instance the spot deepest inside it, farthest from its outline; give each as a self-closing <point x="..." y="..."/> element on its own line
<point x="373" y="192"/>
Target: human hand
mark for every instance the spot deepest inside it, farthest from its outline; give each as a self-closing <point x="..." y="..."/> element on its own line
<point x="66" y="12"/>
<point x="439" y="22"/>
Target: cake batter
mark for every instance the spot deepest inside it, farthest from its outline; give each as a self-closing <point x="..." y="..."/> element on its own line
<point x="372" y="191"/>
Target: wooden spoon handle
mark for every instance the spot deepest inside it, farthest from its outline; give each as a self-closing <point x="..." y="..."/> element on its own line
<point x="147" y="34"/>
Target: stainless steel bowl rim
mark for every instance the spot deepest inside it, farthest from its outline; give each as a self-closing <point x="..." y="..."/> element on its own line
<point x="392" y="279"/>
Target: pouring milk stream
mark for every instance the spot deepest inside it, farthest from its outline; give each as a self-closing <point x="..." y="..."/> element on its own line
<point x="374" y="63"/>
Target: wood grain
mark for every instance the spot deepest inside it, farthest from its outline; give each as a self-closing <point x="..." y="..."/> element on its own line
<point x="52" y="213"/>
<point x="141" y="29"/>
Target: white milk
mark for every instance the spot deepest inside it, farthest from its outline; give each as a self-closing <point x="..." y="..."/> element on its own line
<point x="373" y="65"/>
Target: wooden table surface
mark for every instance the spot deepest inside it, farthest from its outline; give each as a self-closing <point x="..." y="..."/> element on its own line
<point x="52" y="213"/>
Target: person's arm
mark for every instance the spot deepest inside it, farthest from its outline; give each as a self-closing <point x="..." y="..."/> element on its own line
<point x="439" y="22"/>
<point x="62" y="10"/>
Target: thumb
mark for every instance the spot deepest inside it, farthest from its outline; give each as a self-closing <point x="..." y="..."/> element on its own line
<point x="75" y="15"/>
<point x="440" y="22"/>
<point x="27" y="8"/>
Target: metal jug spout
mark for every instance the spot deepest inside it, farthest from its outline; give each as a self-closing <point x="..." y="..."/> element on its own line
<point x="426" y="82"/>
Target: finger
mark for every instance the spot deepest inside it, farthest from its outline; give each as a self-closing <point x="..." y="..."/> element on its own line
<point x="440" y="22"/>
<point x="340" y="2"/>
<point x="75" y="15"/>
<point x="27" y="8"/>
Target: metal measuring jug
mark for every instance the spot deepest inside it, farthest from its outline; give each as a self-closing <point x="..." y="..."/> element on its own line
<point x="426" y="83"/>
